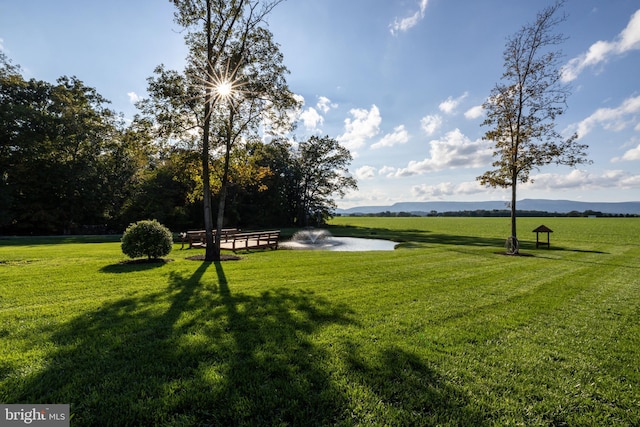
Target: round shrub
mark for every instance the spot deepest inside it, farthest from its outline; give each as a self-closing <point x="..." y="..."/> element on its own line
<point x="148" y="238"/>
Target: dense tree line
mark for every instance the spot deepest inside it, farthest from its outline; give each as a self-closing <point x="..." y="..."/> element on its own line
<point x="65" y="158"/>
<point x="389" y="214"/>
<point x="69" y="164"/>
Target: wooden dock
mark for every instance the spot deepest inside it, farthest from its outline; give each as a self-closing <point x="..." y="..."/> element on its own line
<point x="234" y="240"/>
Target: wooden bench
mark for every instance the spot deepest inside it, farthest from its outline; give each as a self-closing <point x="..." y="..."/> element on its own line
<point x="198" y="238"/>
<point x="251" y="240"/>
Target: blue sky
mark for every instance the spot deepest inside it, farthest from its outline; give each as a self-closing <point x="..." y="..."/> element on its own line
<point x="398" y="82"/>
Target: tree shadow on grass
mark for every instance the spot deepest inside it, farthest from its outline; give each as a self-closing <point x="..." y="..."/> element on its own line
<point x="196" y="353"/>
<point x="192" y="354"/>
<point x="584" y="251"/>
<point x="416" y="238"/>
<point x="135" y="265"/>
<point x="410" y="391"/>
<point x="626" y="262"/>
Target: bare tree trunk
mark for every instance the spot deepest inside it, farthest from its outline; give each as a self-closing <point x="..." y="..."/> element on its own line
<point x="210" y="254"/>
<point x="513" y="210"/>
<point x="220" y="219"/>
<point x="221" y="208"/>
<point x="514" y="233"/>
<point x="224" y="184"/>
<point x="208" y="215"/>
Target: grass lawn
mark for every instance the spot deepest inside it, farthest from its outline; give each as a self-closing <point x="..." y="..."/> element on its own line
<point x="441" y="331"/>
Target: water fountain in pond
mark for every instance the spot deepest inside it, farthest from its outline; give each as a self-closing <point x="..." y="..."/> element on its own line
<point x="319" y="239"/>
<point x="311" y="236"/>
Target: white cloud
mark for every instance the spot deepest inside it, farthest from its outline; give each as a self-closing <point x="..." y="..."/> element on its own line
<point x="615" y="119"/>
<point x="553" y="181"/>
<point x="133" y="97"/>
<point x="405" y="24"/>
<point x="445" y="189"/>
<point x="602" y="51"/>
<point x="630" y="155"/>
<point x="629" y="38"/>
<point x="454" y="150"/>
<point x="324" y="104"/>
<point x="311" y="119"/>
<point x="364" y="125"/>
<point x="431" y="123"/>
<point x="583" y="180"/>
<point x="426" y="191"/>
<point x="299" y="98"/>
<point x="1" y="44"/>
<point x="399" y="136"/>
<point x="366" y="172"/>
<point x="472" y="187"/>
<point x="474" y="112"/>
<point x="388" y="171"/>
<point x="449" y="105"/>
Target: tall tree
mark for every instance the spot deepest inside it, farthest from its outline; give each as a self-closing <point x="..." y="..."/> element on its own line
<point x="522" y="108"/>
<point x="261" y="99"/>
<point x="322" y="172"/>
<point x="234" y="77"/>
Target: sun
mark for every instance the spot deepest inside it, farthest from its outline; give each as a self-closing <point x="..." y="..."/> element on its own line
<point x="224" y="89"/>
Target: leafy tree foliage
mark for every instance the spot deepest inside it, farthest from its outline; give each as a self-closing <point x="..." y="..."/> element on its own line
<point x="322" y="171"/>
<point x="272" y="200"/>
<point x="68" y="164"/>
<point x="300" y="185"/>
<point x="147" y="238"/>
<point x="163" y="191"/>
<point x="522" y="108"/>
<point x="63" y="156"/>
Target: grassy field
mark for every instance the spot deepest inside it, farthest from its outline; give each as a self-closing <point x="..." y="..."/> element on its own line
<point x="444" y="330"/>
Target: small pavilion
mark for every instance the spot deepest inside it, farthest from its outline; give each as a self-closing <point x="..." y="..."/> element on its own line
<point x="542" y="229"/>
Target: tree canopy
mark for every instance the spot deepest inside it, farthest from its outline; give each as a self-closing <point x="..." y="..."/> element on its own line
<point x="69" y="164"/>
<point x="321" y="172"/>
<point x="64" y="155"/>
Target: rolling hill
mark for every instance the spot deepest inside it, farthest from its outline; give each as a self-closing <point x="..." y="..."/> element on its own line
<point x="543" y="205"/>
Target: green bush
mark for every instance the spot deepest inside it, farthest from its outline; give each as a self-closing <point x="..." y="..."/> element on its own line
<point x="148" y="238"/>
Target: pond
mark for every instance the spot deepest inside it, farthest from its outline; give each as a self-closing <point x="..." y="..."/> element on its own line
<point x="311" y="239"/>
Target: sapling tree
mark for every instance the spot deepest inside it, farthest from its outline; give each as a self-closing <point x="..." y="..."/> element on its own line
<point x="522" y="108"/>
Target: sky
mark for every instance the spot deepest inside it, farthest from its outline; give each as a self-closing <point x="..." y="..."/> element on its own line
<point x="400" y="83"/>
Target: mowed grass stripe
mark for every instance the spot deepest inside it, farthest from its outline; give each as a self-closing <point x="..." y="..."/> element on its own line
<point x="442" y="331"/>
<point x="569" y="351"/>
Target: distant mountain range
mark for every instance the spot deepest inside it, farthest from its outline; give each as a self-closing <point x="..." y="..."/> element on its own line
<point x="543" y="205"/>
